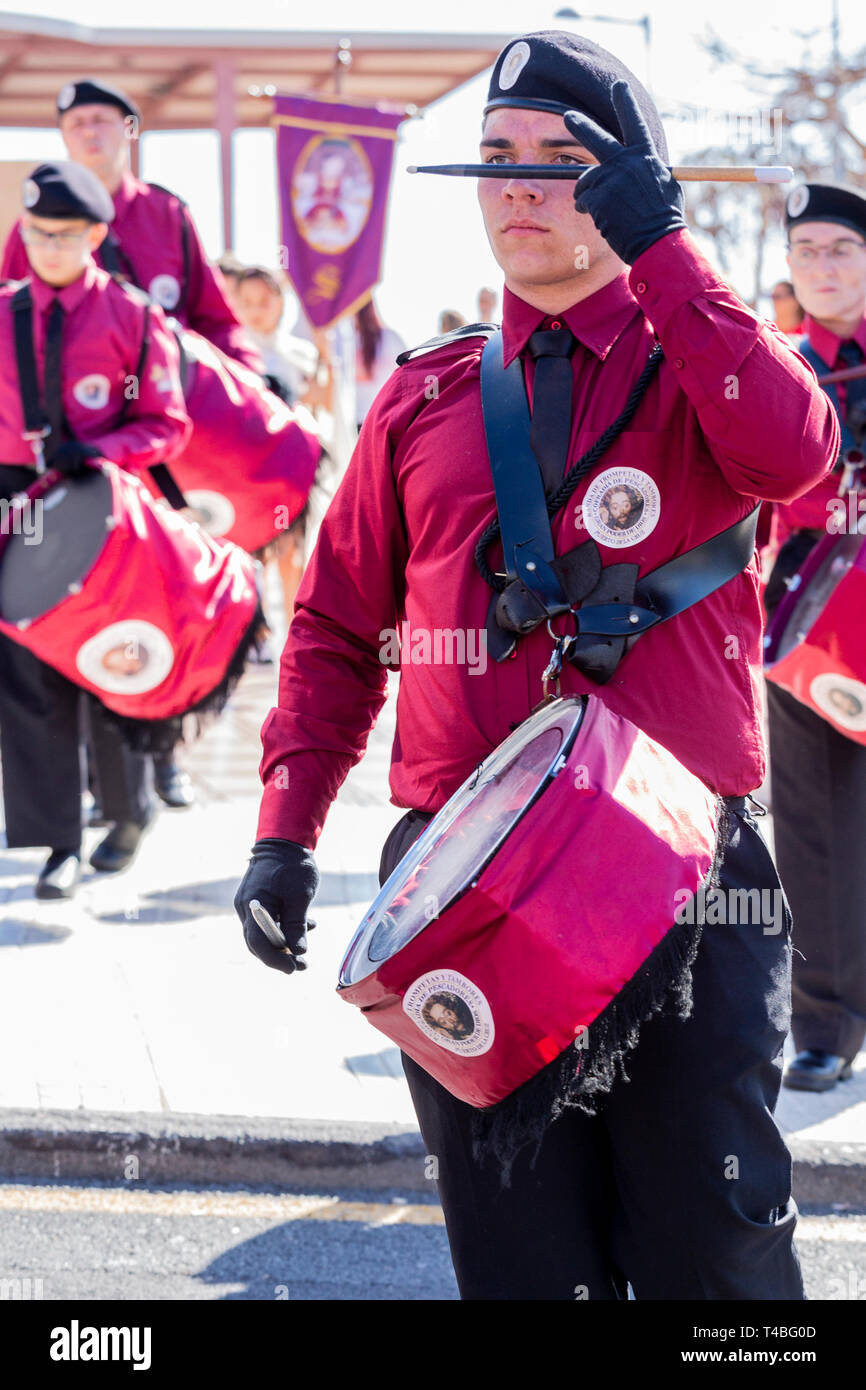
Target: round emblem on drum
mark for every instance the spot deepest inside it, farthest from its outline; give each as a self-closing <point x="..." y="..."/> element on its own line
<point x="452" y="1011"/>
<point x="66" y="96"/>
<point x="213" y="512"/>
<point x="92" y="391"/>
<point x="30" y="193"/>
<point x="841" y="699"/>
<point x="165" y="290"/>
<point x="513" y="64"/>
<point x="798" y="200"/>
<point x="621" y="507"/>
<point x="126" y="658"/>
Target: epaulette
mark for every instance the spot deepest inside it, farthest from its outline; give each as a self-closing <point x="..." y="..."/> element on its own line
<point x="170" y="191"/>
<point x="469" y="330"/>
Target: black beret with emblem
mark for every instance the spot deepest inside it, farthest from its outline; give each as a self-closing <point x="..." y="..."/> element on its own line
<point x="826" y="202"/>
<point x="87" y="92"/>
<point x="555" y="71"/>
<point x="66" y="190"/>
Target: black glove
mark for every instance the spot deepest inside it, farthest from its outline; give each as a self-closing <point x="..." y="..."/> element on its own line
<point x="284" y="878"/>
<point x="279" y="387"/>
<point x="631" y="196"/>
<point x="70" y="459"/>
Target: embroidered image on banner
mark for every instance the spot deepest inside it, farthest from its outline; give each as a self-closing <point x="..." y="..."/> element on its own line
<point x="621" y="507"/>
<point x="452" y="1011"/>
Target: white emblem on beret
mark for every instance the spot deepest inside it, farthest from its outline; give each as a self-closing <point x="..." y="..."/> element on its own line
<point x="30" y="193"/>
<point x="92" y="391"/>
<point x="165" y="290"/>
<point x="127" y="657"/>
<point x="215" y="513"/>
<point x="798" y="200"/>
<point x="66" y="96"/>
<point x="513" y="64"/>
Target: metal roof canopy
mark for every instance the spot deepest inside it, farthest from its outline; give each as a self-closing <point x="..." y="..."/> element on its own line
<point x="215" y="79"/>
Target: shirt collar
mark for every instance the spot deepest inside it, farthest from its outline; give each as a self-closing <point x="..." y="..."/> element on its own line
<point x="827" y="344"/>
<point x="596" y="321"/>
<point x="70" y="296"/>
<point x="129" y="186"/>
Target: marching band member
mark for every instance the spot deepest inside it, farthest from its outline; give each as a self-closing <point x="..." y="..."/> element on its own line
<point x="819" y="775"/>
<point x="594" y="271"/>
<point x="87" y="333"/>
<point x="153" y="241"/>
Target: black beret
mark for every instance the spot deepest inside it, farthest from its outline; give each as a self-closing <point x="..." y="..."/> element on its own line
<point x="826" y="202"/>
<point x="86" y="92"/>
<point x="555" y="71"/>
<point x="64" y="190"/>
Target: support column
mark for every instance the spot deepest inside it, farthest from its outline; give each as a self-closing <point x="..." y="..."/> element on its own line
<point x="224" y="74"/>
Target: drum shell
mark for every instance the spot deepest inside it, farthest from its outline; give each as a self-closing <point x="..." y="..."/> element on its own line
<point x="566" y="913"/>
<point x="159" y="569"/>
<point x="249" y="447"/>
<point x="833" y="644"/>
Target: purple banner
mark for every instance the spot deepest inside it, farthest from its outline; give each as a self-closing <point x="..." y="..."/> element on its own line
<point x="334" y="170"/>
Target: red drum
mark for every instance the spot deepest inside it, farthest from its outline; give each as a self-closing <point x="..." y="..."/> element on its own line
<point x="251" y="459"/>
<point x="814" y="648"/>
<point x="544" y="913"/>
<point x="124" y="597"/>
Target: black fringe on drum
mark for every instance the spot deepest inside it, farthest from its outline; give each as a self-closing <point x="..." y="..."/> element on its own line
<point x="160" y="736"/>
<point x="662" y="984"/>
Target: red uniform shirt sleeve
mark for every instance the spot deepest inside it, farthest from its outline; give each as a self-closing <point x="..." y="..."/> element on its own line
<point x="207" y="310"/>
<point x="157" y="425"/>
<point x="768" y="425"/>
<point x="15" y="263"/>
<point x="332" y="677"/>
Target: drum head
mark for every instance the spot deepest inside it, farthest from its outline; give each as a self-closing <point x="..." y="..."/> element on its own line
<point x="463" y="838"/>
<point x="60" y="538"/>
<point x="815" y="597"/>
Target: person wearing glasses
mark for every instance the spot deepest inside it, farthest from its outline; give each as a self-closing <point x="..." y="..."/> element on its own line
<point x="99" y="402"/>
<point x="818" y="774"/>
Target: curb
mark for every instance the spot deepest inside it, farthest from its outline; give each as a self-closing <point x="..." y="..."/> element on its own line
<point x="214" y="1149"/>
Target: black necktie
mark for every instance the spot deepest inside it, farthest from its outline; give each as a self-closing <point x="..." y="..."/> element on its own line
<point x="53" y="379"/>
<point x="855" y="391"/>
<point x="550" y="427"/>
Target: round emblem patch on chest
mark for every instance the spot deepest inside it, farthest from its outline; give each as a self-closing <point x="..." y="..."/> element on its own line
<point x="165" y="290"/>
<point x="513" y="64"/>
<point x="452" y="1011"/>
<point x="92" y="391"/>
<point x="621" y="507"/>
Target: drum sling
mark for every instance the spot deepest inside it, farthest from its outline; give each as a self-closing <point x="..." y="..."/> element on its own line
<point x="610" y="606"/>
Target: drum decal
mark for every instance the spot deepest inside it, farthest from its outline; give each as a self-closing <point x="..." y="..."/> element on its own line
<point x="621" y="507"/>
<point x="842" y="700"/>
<point x="213" y="512"/>
<point x="127" y="657"/>
<point x="452" y="1011"/>
<point x="92" y="391"/>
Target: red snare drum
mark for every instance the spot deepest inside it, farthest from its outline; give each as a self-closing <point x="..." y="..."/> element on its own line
<point x="532" y="900"/>
<point x="125" y="598"/>
<point x="251" y="459"/>
<point x="814" y="648"/>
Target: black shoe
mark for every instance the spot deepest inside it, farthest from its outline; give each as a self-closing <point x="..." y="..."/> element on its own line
<point x="60" y="875"/>
<point x="173" y="785"/>
<point x="119" y="847"/>
<point x="816" y="1070"/>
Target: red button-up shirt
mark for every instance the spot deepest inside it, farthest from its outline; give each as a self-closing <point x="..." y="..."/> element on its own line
<point x="148" y="225"/>
<point x="134" y="423"/>
<point x="733" y="415"/>
<point x="811" y="510"/>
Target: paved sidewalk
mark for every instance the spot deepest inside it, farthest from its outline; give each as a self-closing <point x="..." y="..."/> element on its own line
<point x="139" y="1001"/>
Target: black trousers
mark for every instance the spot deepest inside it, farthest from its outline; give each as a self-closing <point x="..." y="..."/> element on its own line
<point x="681" y="1185"/>
<point x="819" y="803"/>
<point x="44" y="719"/>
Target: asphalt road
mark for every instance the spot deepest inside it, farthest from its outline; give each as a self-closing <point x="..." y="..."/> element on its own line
<point x="91" y="1241"/>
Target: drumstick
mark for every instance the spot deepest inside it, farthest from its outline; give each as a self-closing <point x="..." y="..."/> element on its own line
<point x="269" y="926"/>
<point x="684" y="173"/>
<point x="844" y="374"/>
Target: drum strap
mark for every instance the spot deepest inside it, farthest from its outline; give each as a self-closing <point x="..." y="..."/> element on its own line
<point x="43" y="412"/>
<point x="607" y="603"/>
